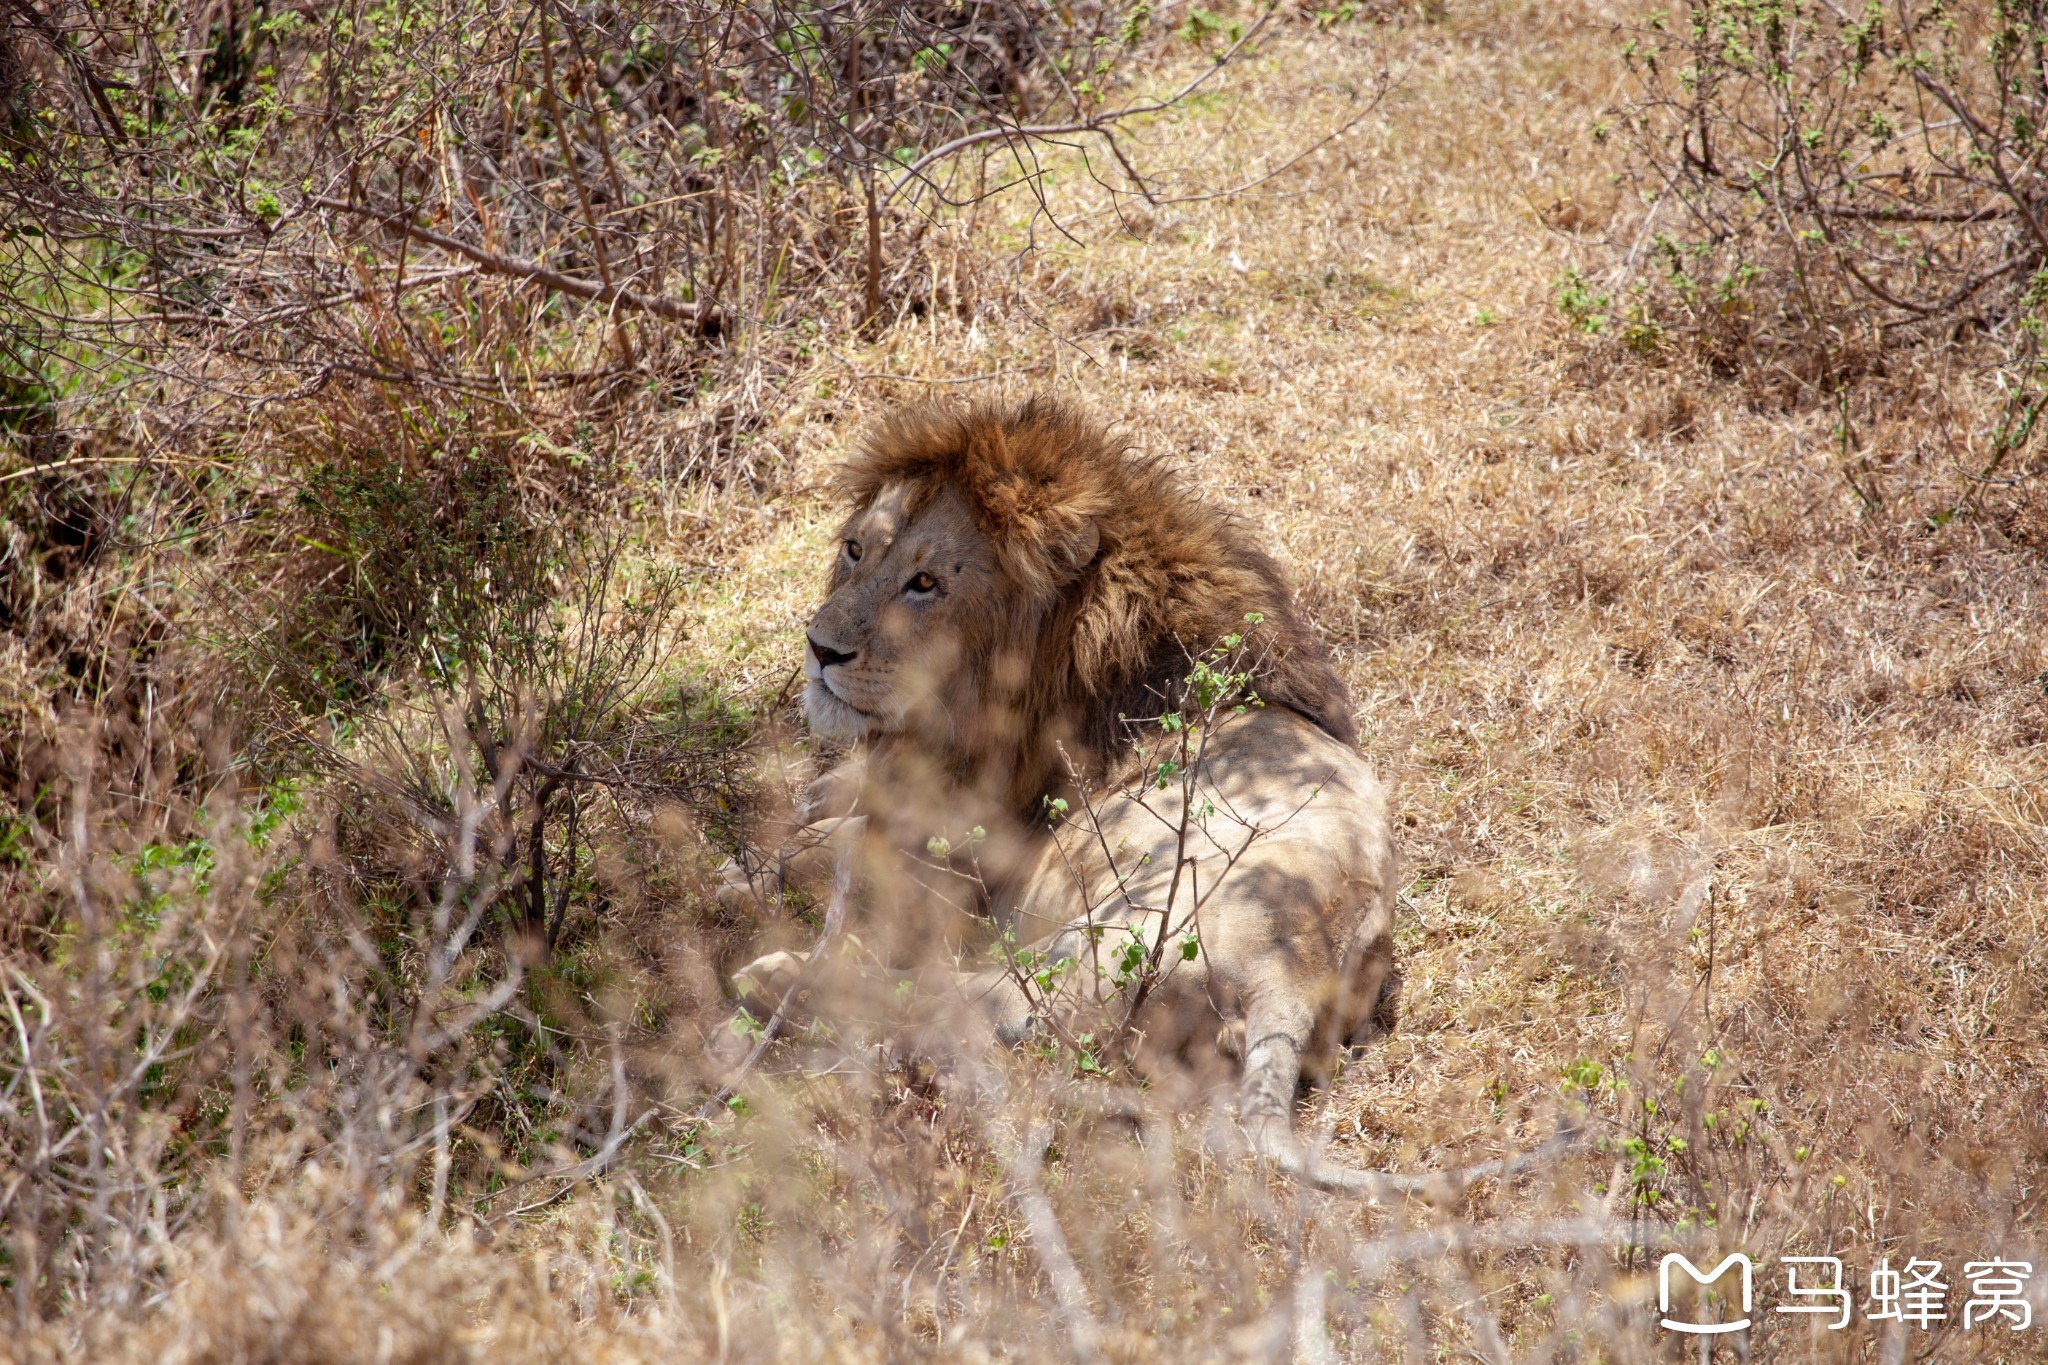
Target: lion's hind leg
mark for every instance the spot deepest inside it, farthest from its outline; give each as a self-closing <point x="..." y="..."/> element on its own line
<point x="1279" y="1027"/>
<point x="1295" y="1024"/>
<point x="1363" y="1008"/>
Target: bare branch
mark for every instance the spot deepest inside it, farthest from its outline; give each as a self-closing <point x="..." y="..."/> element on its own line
<point x="698" y="314"/>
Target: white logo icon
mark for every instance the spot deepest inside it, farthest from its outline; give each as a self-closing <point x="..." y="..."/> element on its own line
<point x="1702" y="1328"/>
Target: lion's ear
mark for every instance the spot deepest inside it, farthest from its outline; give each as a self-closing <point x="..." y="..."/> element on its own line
<point x="1043" y="553"/>
<point x="1079" y="550"/>
<point x="1021" y="477"/>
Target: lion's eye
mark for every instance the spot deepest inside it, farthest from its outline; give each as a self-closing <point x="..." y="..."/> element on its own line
<point x="923" y="582"/>
<point x="853" y="550"/>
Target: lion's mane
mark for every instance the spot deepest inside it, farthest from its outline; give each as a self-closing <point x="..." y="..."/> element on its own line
<point x="1113" y="572"/>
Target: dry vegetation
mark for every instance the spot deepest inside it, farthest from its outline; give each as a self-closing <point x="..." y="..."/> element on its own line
<point x="1719" y="747"/>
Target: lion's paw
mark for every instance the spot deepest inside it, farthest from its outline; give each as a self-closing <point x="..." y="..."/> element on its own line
<point x="768" y="978"/>
<point x="834" y="794"/>
<point x="736" y="890"/>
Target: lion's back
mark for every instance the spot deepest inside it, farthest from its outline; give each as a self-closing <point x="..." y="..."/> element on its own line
<point x="1286" y="835"/>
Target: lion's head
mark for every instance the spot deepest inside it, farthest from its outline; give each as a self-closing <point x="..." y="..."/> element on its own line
<point x="1011" y="589"/>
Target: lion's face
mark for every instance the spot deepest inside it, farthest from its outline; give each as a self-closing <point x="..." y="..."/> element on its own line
<point x="912" y="593"/>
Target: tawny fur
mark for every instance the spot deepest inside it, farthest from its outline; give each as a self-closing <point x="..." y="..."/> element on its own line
<point x="1109" y="640"/>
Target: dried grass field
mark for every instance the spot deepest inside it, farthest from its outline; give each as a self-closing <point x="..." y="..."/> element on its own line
<point x="1717" y="745"/>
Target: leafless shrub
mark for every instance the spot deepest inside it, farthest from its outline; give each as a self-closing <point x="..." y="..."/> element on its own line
<point x="258" y="1094"/>
<point x="182" y="1036"/>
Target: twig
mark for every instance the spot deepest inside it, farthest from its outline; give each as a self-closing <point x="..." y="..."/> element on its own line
<point x="1311" y="1333"/>
<point x="86" y="460"/>
<point x="983" y="378"/>
<point x="1021" y="1163"/>
<point x="570" y="1175"/>
<point x="1304" y="1164"/>
<point x="703" y="315"/>
<point x="1100" y="124"/>
<point x="1289" y="164"/>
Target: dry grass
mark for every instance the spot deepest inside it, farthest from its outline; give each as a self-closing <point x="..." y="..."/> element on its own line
<point x="1696" y="758"/>
<point x="1656" y="693"/>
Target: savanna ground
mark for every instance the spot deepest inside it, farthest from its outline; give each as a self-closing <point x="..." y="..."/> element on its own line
<point x="1720" y="787"/>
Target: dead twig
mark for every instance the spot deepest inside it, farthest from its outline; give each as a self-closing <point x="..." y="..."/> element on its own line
<point x="700" y="315"/>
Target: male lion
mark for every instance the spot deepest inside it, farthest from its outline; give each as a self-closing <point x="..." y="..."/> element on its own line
<point x="1015" y="605"/>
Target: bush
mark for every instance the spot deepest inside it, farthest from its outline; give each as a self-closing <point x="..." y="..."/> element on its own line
<point x="1829" y="184"/>
<point x="470" y="196"/>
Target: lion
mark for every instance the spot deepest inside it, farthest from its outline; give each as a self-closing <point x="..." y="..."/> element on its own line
<point x="1013" y="646"/>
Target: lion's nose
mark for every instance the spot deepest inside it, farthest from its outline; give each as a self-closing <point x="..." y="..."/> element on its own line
<point x="828" y="656"/>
